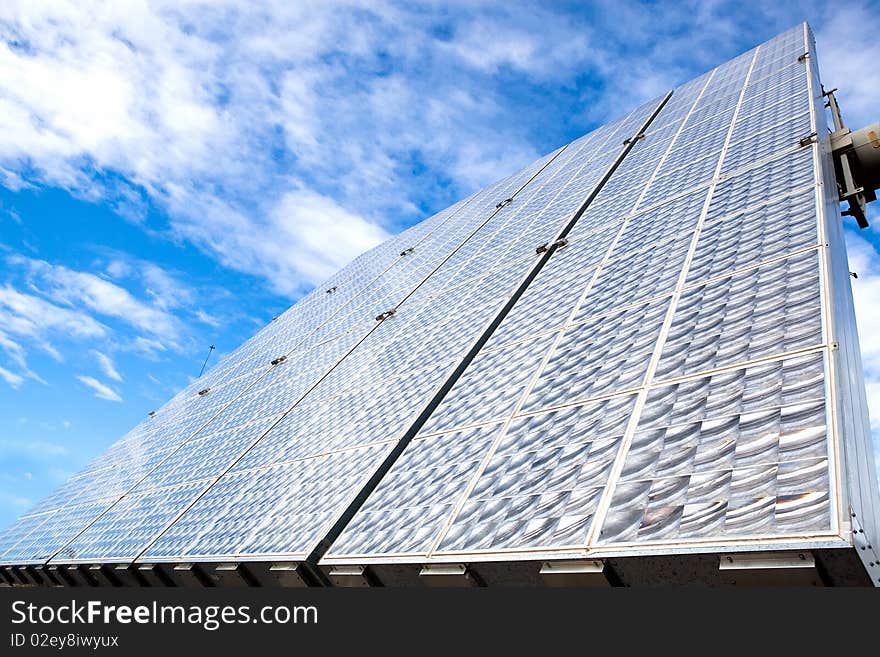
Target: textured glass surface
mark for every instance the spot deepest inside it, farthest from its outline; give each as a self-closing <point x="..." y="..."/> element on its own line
<point x="409" y="507"/>
<point x="605" y="355"/>
<point x="751" y="314"/>
<point x="740" y="452"/>
<point x="50" y="536"/>
<point x="121" y="531"/>
<point x="278" y="510"/>
<point x="19" y="531"/>
<point x="490" y="386"/>
<point x="542" y="484"/>
<point x="763" y="232"/>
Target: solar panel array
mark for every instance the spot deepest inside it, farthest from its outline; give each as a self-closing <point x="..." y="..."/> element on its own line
<point x="628" y="344"/>
<point x="631" y="415"/>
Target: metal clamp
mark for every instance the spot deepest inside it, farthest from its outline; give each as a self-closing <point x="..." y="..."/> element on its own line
<point x="331" y="290"/>
<point x="856" y="162"/>
<point x="506" y="201"/>
<point x="278" y="360"/>
<point x="407" y="251"/>
<point x="385" y="315"/>
<point x="811" y="138"/>
<point x="204" y="392"/>
<point x="546" y="245"/>
<point x="850" y="194"/>
<point x="803" y="57"/>
<point x="631" y="140"/>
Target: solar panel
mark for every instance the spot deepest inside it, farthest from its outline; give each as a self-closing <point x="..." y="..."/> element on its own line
<point x="338" y="435"/>
<point x="643" y="343"/>
<point x="683" y="397"/>
<point x="290" y="389"/>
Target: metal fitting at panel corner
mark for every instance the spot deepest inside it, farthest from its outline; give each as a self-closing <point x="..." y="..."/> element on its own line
<point x="856" y="162"/>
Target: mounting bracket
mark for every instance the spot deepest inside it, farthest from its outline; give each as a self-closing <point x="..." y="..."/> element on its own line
<point x="856" y="162"/>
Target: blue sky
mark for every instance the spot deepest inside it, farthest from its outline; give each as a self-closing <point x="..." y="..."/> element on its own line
<point x="174" y="174"/>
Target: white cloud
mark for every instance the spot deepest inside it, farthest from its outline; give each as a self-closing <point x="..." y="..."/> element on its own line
<point x="52" y="306"/>
<point x="38" y="322"/>
<point x="148" y="347"/>
<point x="852" y="69"/>
<point x="13" y="349"/>
<point x="320" y="235"/>
<point x="11" y="378"/>
<point x="106" y="365"/>
<point x="102" y="391"/>
<point x="102" y="59"/>
<point x="165" y="289"/>
<point x="147" y="96"/>
<point x="119" y="268"/>
<point x="206" y="318"/>
<point x="77" y="289"/>
<point x="222" y="115"/>
<point x="304" y="238"/>
<point x="514" y="48"/>
<point x="169" y="290"/>
<point x="865" y="261"/>
<point x="26" y="314"/>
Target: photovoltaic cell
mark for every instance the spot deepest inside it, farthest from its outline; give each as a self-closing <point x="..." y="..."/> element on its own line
<point x="747" y="315"/>
<point x="703" y="445"/>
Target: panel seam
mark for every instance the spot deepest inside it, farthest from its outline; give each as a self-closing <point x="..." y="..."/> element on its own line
<point x="617" y="469"/>
<point x="563" y="329"/>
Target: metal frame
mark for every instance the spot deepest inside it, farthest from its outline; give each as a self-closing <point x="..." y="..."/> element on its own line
<point x="859" y="494"/>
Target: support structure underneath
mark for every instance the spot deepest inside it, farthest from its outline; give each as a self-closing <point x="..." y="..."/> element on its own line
<point x="818" y="567"/>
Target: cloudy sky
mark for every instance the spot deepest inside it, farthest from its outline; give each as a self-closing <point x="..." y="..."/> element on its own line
<point x="174" y="174"/>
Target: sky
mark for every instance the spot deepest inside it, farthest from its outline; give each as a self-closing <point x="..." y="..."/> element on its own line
<point x="175" y="174"/>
